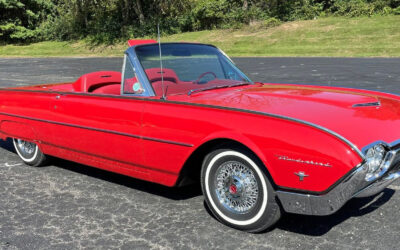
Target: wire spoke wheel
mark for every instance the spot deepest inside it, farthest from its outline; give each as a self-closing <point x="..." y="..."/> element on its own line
<point x="237" y="190"/>
<point x="236" y="187"/>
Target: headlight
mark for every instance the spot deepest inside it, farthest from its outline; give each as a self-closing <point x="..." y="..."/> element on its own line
<point x="374" y="158"/>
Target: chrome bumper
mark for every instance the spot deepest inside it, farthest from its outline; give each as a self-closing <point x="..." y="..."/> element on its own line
<point x="355" y="185"/>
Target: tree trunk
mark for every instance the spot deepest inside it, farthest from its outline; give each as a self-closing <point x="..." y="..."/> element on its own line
<point x="245" y="5"/>
<point x="125" y="12"/>
<point x="139" y="12"/>
<point x="81" y="13"/>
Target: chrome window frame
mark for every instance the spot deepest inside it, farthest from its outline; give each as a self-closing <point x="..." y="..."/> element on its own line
<point x="131" y="58"/>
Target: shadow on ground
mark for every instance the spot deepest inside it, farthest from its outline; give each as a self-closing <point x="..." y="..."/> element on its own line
<point x="7" y="145"/>
<point x="320" y="225"/>
<point x="175" y="193"/>
<point x="301" y="224"/>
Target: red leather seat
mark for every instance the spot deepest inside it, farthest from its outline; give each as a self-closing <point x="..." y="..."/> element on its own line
<point x="112" y="89"/>
<point x="91" y="81"/>
<point x="172" y="84"/>
<point x="154" y="75"/>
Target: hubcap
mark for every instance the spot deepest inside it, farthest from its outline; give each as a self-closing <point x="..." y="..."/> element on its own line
<point x="233" y="189"/>
<point x="236" y="187"/>
<point x="25" y="147"/>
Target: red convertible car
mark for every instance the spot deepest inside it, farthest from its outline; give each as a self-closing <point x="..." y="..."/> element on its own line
<point x="183" y="112"/>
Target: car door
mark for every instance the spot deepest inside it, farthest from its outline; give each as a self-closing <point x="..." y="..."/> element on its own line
<point x="103" y="128"/>
<point x="33" y="107"/>
<point x="173" y="129"/>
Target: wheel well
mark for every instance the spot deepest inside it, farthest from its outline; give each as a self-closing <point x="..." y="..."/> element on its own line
<point x="191" y="170"/>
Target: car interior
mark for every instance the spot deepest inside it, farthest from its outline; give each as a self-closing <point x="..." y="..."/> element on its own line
<point x="109" y="82"/>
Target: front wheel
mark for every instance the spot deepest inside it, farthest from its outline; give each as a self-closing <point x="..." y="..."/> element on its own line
<point x="237" y="190"/>
<point x="29" y="152"/>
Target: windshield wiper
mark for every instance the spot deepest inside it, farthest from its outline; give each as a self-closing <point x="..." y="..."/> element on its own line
<point x="217" y="87"/>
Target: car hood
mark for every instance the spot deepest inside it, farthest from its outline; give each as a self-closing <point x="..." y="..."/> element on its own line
<point x="359" y="117"/>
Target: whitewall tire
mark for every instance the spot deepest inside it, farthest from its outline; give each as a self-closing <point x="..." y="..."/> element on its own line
<point x="237" y="190"/>
<point x="29" y="152"/>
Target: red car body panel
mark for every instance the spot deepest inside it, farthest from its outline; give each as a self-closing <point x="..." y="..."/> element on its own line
<point x="331" y="108"/>
<point x="151" y="139"/>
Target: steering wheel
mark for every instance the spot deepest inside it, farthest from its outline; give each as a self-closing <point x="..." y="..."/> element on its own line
<point x="203" y="75"/>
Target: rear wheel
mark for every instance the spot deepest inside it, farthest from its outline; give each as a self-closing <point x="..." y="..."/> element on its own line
<point x="29" y="152"/>
<point x="237" y="190"/>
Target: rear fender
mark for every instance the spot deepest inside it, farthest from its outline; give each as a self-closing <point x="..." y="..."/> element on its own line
<point x="18" y="130"/>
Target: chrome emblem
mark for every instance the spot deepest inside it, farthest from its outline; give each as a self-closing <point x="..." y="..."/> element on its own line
<point x="301" y="175"/>
<point x="286" y="158"/>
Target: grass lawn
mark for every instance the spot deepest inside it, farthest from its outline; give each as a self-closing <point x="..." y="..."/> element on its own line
<point x="377" y="36"/>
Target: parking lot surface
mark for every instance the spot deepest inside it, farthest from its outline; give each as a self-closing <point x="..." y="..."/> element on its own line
<point x="67" y="205"/>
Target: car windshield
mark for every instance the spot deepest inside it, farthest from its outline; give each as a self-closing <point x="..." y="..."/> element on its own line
<point x="188" y="68"/>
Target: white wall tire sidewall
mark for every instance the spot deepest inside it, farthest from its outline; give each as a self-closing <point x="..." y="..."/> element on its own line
<point x="263" y="185"/>
<point x="29" y="160"/>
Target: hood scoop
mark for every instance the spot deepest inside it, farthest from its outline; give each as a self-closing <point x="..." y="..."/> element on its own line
<point x="367" y="104"/>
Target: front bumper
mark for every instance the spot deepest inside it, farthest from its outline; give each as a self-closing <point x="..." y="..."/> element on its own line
<point x="355" y="185"/>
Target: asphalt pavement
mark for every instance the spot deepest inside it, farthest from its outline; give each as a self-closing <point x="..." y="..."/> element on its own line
<point x="381" y="74"/>
<point x="68" y="206"/>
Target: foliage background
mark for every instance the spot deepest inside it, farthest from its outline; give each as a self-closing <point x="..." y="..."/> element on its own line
<point x="109" y="21"/>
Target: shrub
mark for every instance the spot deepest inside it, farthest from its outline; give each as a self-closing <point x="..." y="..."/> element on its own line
<point x="108" y="21"/>
<point x="352" y="8"/>
<point x="271" y="22"/>
<point x="19" y="20"/>
<point x="306" y="10"/>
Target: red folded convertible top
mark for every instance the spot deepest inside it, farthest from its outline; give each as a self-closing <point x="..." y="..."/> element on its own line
<point x="138" y="42"/>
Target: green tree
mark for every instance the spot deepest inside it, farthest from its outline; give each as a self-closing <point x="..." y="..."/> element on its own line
<point x="107" y="21"/>
<point x="20" y="19"/>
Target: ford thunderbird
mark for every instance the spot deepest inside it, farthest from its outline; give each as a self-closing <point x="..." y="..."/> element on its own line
<point x="182" y="113"/>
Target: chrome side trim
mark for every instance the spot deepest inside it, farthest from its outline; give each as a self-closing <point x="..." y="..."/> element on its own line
<point x="341" y="138"/>
<point x="110" y="159"/>
<point x="98" y="156"/>
<point x="101" y="130"/>
<point x="326" y="130"/>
